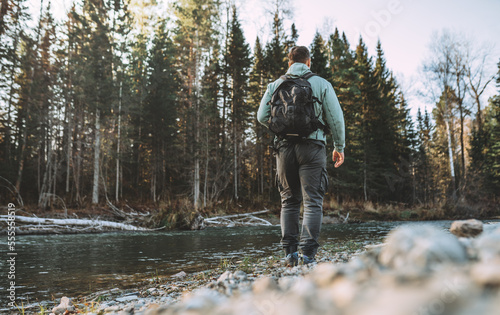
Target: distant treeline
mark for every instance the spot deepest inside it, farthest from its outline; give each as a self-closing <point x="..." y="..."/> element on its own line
<point x="127" y="107"/>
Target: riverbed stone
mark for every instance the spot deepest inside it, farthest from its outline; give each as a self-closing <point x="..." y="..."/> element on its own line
<point x="488" y="246"/>
<point x="264" y="284"/>
<point x="127" y="298"/>
<point x="487" y="273"/>
<point x="66" y="305"/>
<point x="224" y="277"/>
<point x="467" y="228"/>
<point x="324" y="274"/>
<point x="180" y="275"/>
<point x="239" y="275"/>
<point x="419" y="248"/>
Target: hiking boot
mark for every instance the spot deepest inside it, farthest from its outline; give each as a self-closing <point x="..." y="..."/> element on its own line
<point x="306" y="260"/>
<point x="292" y="260"/>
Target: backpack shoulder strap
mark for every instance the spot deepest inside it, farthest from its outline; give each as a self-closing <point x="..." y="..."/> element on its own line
<point x="309" y="75"/>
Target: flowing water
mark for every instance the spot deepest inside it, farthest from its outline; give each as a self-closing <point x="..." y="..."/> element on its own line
<point x="51" y="266"/>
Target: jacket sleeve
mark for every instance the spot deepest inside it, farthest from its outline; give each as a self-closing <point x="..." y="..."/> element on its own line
<point x="334" y="117"/>
<point x="264" y="111"/>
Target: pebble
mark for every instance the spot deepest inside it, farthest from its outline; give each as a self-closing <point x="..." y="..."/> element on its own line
<point x="127" y="298"/>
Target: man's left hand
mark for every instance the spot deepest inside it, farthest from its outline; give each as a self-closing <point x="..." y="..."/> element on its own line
<point x="339" y="157"/>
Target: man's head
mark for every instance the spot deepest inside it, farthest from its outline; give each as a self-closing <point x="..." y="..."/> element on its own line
<point x="299" y="54"/>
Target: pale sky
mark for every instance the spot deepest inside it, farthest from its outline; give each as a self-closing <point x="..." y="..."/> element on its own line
<point x="405" y="28"/>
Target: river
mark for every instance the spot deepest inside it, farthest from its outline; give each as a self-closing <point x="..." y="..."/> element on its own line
<point x="51" y="266"/>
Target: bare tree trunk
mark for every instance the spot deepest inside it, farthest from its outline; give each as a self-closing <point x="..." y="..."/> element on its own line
<point x="365" y="184"/>
<point x="235" y="147"/>
<point x="235" y="177"/>
<point x="97" y="151"/>
<point x="207" y="157"/>
<point x="196" y="184"/>
<point x="450" y="156"/>
<point x="117" y="185"/>
<point x="462" y="143"/>
<point x="21" y="161"/>
<point x="69" y="117"/>
<point x="68" y="147"/>
<point x="78" y="156"/>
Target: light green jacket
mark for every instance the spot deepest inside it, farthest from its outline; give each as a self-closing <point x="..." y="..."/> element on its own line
<point x="329" y="110"/>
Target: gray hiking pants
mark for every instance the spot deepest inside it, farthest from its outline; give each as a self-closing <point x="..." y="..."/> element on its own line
<point x="301" y="177"/>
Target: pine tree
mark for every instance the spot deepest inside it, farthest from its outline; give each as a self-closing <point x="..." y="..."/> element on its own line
<point x="195" y="34"/>
<point x="485" y="153"/>
<point x="238" y="62"/>
<point x="256" y="89"/>
<point x="13" y="17"/>
<point x="213" y="134"/>
<point x="97" y="77"/>
<point x="275" y="52"/>
<point x="345" y="80"/>
<point x="422" y="159"/>
<point x="319" y="59"/>
<point x="161" y="111"/>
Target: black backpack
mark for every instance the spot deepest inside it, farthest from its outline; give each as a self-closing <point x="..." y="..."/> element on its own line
<point x="292" y="108"/>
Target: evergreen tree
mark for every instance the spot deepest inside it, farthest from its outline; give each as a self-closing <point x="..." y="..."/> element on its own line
<point x="195" y="34"/>
<point x="422" y="159"/>
<point x="319" y="59"/>
<point x="13" y="17"/>
<point x="256" y="89"/>
<point x="292" y="39"/>
<point x="161" y="112"/>
<point x="345" y="80"/>
<point x="275" y="52"/>
<point x="215" y="173"/>
<point x="369" y="98"/>
<point x="485" y="153"/>
<point x="238" y="62"/>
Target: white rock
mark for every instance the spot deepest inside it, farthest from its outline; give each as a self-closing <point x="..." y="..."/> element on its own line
<point x="65" y="305"/>
<point x="324" y="274"/>
<point x="467" y="228"/>
<point x="420" y="247"/>
<point x="239" y="275"/>
<point x="127" y="298"/>
<point x="179" y="276"/>
<point x="488" y="246"/>
<point x="486" y="273"/>
<point x="224" y="277"/>
<point x="264" y="284"/>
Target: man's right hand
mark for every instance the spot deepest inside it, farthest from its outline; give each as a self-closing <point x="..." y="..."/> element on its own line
<point x="339" y="157"/>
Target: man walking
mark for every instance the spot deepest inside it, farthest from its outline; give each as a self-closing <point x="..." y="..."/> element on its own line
<point x="301" y="161"/>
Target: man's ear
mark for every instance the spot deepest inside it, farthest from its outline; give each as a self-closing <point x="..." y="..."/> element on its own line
<point x="290" y="63"/>
<point x="308" y="62"/>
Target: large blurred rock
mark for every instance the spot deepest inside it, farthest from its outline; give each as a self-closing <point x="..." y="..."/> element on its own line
<point x="417" y="248"/>
<point x="488" y="246"/>
<point x="467" y="228"/>
<point x="487" y="273"/>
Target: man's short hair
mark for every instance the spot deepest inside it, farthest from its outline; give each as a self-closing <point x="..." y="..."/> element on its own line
<point x="299" y="54"/>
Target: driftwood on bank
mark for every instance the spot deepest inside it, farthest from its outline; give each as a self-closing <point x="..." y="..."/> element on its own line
<point x="244" y="219"/>
<point x="32" y="225"/>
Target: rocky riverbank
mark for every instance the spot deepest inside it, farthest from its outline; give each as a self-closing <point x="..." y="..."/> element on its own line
<point x="418" y="269"/>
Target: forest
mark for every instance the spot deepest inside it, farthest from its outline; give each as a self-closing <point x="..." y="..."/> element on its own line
<point x="114" y="105"/>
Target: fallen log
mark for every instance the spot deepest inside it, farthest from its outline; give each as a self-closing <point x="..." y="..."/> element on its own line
<point x="247" y="219"/>
<point x="76" y="222"/>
